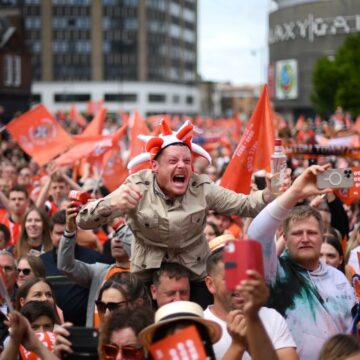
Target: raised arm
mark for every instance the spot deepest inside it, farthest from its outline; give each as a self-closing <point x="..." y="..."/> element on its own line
<point x="79" y="271"/>
<point x="264" y="226"/>
<point x="245" y="326"/>
<point x="103" y="211"/>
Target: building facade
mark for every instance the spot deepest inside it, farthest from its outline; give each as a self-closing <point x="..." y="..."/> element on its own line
<point x="301" y="31"/>
<point x="134" y="54"/>
<point x="15" y="68"/>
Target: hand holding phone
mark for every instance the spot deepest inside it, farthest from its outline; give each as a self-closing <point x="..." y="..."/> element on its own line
<point x="84" y="342"/>
<point x="335" y="179"/>
<point x="240" y="256"/>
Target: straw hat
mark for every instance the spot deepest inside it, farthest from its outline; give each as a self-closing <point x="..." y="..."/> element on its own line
<point x="180" y="310"/>
<point x="220" y="241"/>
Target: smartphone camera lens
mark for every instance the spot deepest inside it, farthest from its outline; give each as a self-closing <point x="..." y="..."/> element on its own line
<point x="347" y="173"/>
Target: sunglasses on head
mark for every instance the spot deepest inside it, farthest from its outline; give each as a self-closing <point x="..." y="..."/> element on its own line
<point x="101" y="306"/>
<point x="25" y="271"/>
<point x="110" y="352"/>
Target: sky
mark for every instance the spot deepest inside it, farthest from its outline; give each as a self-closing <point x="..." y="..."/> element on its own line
<point x="232" y="40"/>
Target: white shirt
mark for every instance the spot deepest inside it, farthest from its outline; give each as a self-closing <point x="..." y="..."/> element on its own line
<point x="275" y="326"/>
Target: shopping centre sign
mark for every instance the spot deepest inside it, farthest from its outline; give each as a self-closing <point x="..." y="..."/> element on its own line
<point x="313" y="27"/>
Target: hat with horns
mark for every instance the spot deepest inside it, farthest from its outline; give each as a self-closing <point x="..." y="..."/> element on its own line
<point x="154" y="144"/>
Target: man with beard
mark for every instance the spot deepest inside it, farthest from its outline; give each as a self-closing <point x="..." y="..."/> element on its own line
<point x="166" y="207"/>
<point x="91" y="276"/>
<point x="229" y="304"/>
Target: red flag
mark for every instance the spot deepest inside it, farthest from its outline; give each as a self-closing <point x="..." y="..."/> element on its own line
<point x="254" y="149"/>
<point x="75" y="116"/>
<point x="39" y="134"/>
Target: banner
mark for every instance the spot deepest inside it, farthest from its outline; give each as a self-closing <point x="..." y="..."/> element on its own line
<point x="39" y="135"/>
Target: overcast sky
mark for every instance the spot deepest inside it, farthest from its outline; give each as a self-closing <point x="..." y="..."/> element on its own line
<point x="232" y="42"/>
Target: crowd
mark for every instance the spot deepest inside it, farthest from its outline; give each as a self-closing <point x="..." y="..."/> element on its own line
<point x="144" y="264"/>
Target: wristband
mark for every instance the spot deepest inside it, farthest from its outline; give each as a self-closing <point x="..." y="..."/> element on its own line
<point x="69" y="234"/>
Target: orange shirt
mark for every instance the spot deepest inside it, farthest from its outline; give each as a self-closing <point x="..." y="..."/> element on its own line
<point x="14" y="229"/>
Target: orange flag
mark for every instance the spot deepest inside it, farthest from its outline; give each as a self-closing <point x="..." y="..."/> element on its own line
<point x="95" y="127"/>
<point x="75" y="116"/>
<point x="94" y="106"/>
<point x="91" y="149"/>
<point x="39" y="135"/>
<point x="137" y="126"/>
<point x="115" y="171"/>
<point x="254" y="149"/>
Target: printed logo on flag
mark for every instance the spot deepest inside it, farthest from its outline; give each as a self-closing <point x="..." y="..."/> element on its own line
<point x="39" y="134"/>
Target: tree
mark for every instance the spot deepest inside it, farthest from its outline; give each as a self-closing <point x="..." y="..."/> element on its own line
<point x="337" y="82"/>
<point x="325" y="83"/>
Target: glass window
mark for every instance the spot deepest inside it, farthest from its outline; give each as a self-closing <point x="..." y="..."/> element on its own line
<point x="71" y="2"/>
<point x="130" y="2"/>
<point x="106" y="47"/>
<point x="8" y="70"/>
<point x="36" y="46"/>
<point x="36" y="98"/>
<point x="175" y="9"/>
<point x="32" y="22"/>
<point x="130" y="24"/>
<point x="71" y="97"/>
<point x="189" y="75"/>
<point x="83" y="46"/>
<point x="120" y="97"/>
<point x="189" y="35"/>
<point x="156" y="4"/>
<point x="175" y="31"/>
<point x="189" y="15"/>
<point x="12" y="70"/>
<point x="189" y="100"/>
<point x="157" y="98"/>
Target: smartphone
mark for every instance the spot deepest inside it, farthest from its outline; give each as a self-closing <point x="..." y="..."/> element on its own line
<point x="240" y="256"/>
<point x="335" y="179"/>
<point x="84" y="343"/>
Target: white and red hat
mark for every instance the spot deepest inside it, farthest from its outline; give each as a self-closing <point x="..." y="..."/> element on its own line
<point x="154" y="144"/>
